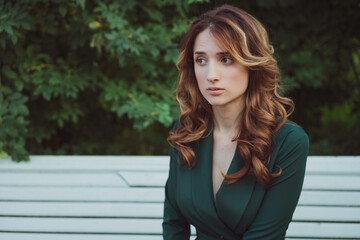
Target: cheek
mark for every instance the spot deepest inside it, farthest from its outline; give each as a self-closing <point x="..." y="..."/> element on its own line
<point x="200" y="75"/>
<point x="238" y="78"/>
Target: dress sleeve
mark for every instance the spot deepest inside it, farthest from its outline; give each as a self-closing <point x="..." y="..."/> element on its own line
<point x="280" y="200"/>
<point x="175" y="226"/>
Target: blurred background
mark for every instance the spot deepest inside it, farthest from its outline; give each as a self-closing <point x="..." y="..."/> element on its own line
<point x="91" y="77"/>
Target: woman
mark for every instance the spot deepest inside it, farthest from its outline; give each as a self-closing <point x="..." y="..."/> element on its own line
<point x="237" y="164"/>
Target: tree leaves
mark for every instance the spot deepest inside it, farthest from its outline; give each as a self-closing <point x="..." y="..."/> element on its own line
<point x="90" y="77"/>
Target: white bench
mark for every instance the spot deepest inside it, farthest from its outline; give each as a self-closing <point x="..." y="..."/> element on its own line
<point x="121" y="197"/>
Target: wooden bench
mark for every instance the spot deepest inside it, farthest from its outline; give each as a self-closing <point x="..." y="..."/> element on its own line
<point x="121" y="197"/>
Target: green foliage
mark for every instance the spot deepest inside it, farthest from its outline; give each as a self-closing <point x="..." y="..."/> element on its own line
<point x="342" y="131"/>
<point x="317" y="45"/>
<point x="98" y="77"/>
<point x="13" y="124"/>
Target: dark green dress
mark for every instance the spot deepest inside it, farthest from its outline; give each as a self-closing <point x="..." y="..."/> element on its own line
<point x="243" y="210"/>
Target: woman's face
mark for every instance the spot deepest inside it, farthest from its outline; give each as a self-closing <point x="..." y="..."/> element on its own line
<point x="221" y="80"/>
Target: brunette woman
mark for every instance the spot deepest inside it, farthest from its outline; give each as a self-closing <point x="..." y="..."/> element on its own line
<point x="237" y="164"/>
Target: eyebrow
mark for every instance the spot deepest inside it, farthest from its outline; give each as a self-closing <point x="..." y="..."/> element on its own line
<point x="219" y="53"/>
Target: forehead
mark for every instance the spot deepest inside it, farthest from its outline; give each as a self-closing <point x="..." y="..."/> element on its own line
<point x="206" y="42"/>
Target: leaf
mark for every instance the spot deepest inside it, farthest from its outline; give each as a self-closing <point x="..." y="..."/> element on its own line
<point x="54" y="80"/>
<point x="63" y="10"/>
<point x="14" y="96"/>
<point x="13" y="109"/>
<point x="94" y="25"/>
<point x="23" y="110"/>
<point x="8" y="29"/>
<point x="110" y="36"/>
<point x="4" y="108"/>
<point x="9" y="73"/>
<point x="109" y="96"/>
<point x="26" y="25"/>
<point x="60" y="123"/>
<point x="19" y="84"/>
<point x="123" y="109"/>
<point x="14" y="39"/>
<point x="47" y="95"/>
<point x="81" y="3"/>
<point x="4" y="155"/>
<point x="197" y="1"/>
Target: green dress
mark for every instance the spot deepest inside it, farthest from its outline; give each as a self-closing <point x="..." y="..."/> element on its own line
<point x="243" y="210"/>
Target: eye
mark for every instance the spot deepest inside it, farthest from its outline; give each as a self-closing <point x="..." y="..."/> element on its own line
<point x="201" y="61"/>
<point x="227" y="60"/>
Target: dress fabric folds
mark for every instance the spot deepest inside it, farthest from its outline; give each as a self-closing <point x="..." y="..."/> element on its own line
<point x="243" y="210"/>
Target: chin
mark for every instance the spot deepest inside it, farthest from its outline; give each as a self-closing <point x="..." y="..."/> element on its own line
<point x="215" y="103"/>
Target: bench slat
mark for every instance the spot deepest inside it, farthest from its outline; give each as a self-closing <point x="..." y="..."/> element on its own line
<point x="154" y="210"/>
<point x="82" y="194"/>
<point x="312" y="182"/>
<point x="327" y="214"/>
<point x="144" y="179"/>
<point x="329" y="165"/>
<point x="315" y="164"/>
<point x="60" y="179"/>
<point x="88" y="163"/>
<point x="139" y="210"/>
<point x="153" y="226"/>
<point x="81" y="225"/>
<point x="98" y="194"/>
<point x="329" y="198"/>
<point x="149" y="179"/>
<point x="321" y="230"/>
<point x="47" y="236"/>
<point x="349" y="183"/>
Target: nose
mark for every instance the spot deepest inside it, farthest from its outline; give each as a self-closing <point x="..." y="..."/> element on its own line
<point x="213" y="72"/>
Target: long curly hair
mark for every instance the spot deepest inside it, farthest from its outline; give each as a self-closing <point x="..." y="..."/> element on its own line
<point x="264" y="111"/>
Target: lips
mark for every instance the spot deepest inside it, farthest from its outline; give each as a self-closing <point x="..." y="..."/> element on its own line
<point x="215" y="90"/>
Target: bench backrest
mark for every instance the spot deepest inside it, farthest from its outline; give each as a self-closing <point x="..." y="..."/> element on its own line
<point x="121" y="197"/>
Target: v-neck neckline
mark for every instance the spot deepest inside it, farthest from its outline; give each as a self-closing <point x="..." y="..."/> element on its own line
<point x="235" y="155"/>
<point x="231" y="199"/>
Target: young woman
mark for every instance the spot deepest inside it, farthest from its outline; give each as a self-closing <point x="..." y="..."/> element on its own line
<point x="237" y="164"/>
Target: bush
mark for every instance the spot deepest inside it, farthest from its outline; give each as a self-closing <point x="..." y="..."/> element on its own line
<point x="98" y="77"/>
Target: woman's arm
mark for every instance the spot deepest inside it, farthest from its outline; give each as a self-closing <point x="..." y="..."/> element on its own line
<point x="280" y="201"/>
<point x="175" y="226"/>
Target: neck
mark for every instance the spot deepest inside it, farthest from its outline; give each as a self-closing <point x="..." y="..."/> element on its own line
<point x="227" y="118"/>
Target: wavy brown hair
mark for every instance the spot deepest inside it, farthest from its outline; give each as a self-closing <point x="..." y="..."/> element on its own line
<point x="264" y="111"/>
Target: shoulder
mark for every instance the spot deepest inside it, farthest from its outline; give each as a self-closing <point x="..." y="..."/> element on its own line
<point x="176" y="125"/>
<point x="174" y="153"/>
<point x="291" y="132"/>
<point x="291" y="141"/>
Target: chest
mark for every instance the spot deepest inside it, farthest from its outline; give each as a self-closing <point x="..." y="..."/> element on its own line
<point x="220" y="212"/>
<point x="223" y="153"/>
